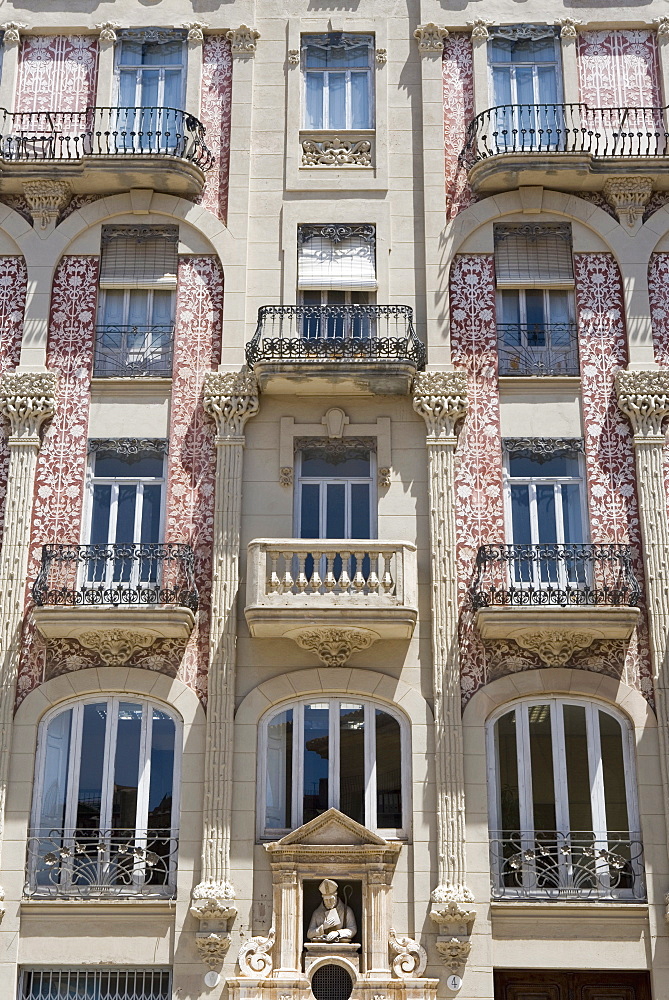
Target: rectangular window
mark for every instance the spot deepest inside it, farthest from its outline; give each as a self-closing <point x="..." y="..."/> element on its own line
<point x="150" y="67"/>
<point x="337" y="71"/>
<point x="526" y="87"/>
<point x="334" y="491"/>
<point x="336" y="257"/>
<point x="95" y="984"/>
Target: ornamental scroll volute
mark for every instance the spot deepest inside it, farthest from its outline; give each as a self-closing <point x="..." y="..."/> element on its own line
<point x="231" y="398"/>
<point x="441" y="400"/>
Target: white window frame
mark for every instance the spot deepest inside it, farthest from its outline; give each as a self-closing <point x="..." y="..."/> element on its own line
<point x="333" y="702"/>
<point x="557" y="482"/>
<point x="522" y="314"/>
<point x="534" y="65"/>
<point x="348" y="481"/>
<point x="348" y="127"/>
<point x="138" y="68"/>
<point x="115" y="481"/>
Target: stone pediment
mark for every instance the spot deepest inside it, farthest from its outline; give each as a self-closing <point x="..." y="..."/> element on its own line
<point x="336" y="836"/>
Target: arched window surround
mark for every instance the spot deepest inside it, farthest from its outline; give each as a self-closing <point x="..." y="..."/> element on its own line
<point x="333" y="699"/>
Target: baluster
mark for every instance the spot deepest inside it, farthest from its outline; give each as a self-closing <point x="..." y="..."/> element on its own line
<point x="373" y="578"/>
<point x="329" y="583"/>
<point x="316" y="581"/>
<point x="287" y="582"/>
<point x="387" y="581"/>
<point x="302" y="582"/>
<point x="344" y="579"/>
<point x="358" y="579"/>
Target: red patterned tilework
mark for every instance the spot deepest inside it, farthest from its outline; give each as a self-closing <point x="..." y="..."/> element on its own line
<point x="458" y="82"/>
<point x="215" y="114"/>
<point x="619" y="69"/>
<point x="57" y="73"/>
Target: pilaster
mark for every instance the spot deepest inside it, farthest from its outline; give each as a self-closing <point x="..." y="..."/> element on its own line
<point x="441" y="399"/>
<point x="10" y="63"/>
<point x="569" y="44"/>
<point x="195" y="42"/>
<point x="107" y="46"/>
<point x="480" y="36"/>
<point x="231" y="398"/>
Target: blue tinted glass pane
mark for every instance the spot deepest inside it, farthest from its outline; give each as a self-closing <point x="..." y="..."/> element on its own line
<point x="131" y="53"/>
<point x="520" y="515"/>
<point x="89" y="798"/>
<point x="358" y="55"/>
<point x="138" y="307"/>
<point x="126" y="766"/>
<point x="314" y="464"/>
<point x="172" y="96"/>
<point x="162" y="771"/>
<point x="150" y="84"/>
<point x="316" y="54"/>
<point x="314" y="103"/>
<point x="316" y="757"/>
<point x="151" y="510"/>
<point x="388" y="771"/>
<point x="310" y="515"/>
<point x="501" y="78"/>
<point x="113" y="307"/>
<point x="499" y="50"/>
<point x="100" y="517"/>
<point x="547" y="83"/>
<point x="337" y="100"/>
<point x="335" y="510"/>
<point x="360" y="511"/>
<point x="557" y="465"/>
<point x="571" y="512"/>
<point x="56" y="760"/>
<point x="524" y="85"/>
<point x="352" y="761"/>
<point x="360" y="100"/>
<point x="546" y="514"/>
<point x="279" y="788"/>
<point x="125" y="513"/>
<point x="146" y="464"/>
<point x="170" y="54"/>
<point x="163" y="308"/>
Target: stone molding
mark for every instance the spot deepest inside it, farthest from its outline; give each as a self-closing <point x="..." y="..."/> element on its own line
<point x="568" y="27"/>
<point x="643" y="396"/>
<point x="554" y="647"/>
<point x="333" y="646"/>
<point x="115" y="646"/>
<point x="255" y="956"/>
<point x="12" y="32"/>
<point x="46" y="199"/>
<point x="231" y="398"/>
<point x="27" y="400"/>
<point x="454" y="953"/>
<point x="628" y="196"/>
<point x="452" y="907"/>
<point x="410" y="957"/>
<point x="336" y="152"/>
<point x="243" y="40"/>
<point x="129" y="446"/>
<point x="430" y="37"/>
<point x="441" y="400"/>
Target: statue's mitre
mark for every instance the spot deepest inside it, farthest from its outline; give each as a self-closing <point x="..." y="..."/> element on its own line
<point x="328" y="887"/>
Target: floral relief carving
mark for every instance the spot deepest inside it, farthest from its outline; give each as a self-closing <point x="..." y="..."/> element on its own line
<point x="64" y="656"/>
<point x="554" y="647"/>
<point x="243" y="40"/>
<point x="333" y="646"/>
<point x="336" y="152"/>
<point x="609" y="450"/>
<point x="61" y="465"/>
<point x="479" y="514"/>
<point x="619" y="69"/>
<point x="13" y="285"/>
<point x="458" y="90"/>
<point x="192" y="459"/>
<point x="605" y="656"/>
<point x="57" y="71"/>
<point x="430" y="37"/>
<point x="115" y="646"/>
<point x="215" y="115"/>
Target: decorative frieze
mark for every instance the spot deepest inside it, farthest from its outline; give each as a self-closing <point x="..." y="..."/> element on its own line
<point x="153" y="35"/>
<point x="46" y="200"/>
<point x="243" y="40"/>
<point x="629" y="197"/>
<point x="410" y="958"/>
<point x="27" y="400"/>
<point x="430" y="37"/>
<point x="334" y="646"/>
<point x="543" y="449"/>
<point x="129" y="446"/>
<point x="336" y="152"/>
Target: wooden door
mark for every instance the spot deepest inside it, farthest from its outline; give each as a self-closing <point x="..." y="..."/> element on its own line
<point x="535" y="984"/>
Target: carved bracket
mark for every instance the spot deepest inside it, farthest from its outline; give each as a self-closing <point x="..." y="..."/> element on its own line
<point x="255" y="956"/>
<point x="643" y="396"/>
<point x="410" y="958"/>
<point x="213" y="905"/>
<point x="243" y="40"/>
<point x="568" y="27"/>
<point x="452" y="907"/>
<point x="430" y="37"/>
<point x="441" y="400"/>
<point x="628" y="196"/>
<point x="46" y="199"/>
<point x="333" y="646"/>
<point x="479" y="28"/>
<point x="12" y="32"/>
<point x="231" y="398"/>
<point x="27" y="400"/>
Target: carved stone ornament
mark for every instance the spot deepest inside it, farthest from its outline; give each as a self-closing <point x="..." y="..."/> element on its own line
<point x="195" y="30"/>
<point x="46" y="199"/>
<point x="336" y="233"/>
<point x="115" y="645"/>
<point x="662" y="25"/>
<point x="27" y="400"/>
<point x="554" y="647"/>
<point x="441" y="400"/>
<point x="231" y="398"/>
<point x="533" y="231"/>
<point x="212" y="947"/>
<point x="384" y="478"/>
<point x="430" y="37"/>
<point x="628" y="196"/>
<point x="333" y="646"/>
<point x="255" y="956"/>
<point x="451" y="906"/>
<point x="12" y="32"/>
<point x="152" y="35"/>
<point x="294" y="57"/>
<point x="336" y="152"/>
<point x="543" y="449"/>
<point x="568" y="26"/>
<point x="410" y="958"/>
<point x="243" y="40"/>
<point x="223" y="892"/>
<point x="286" y="475"/>
<point x="140" y="234"/>
<point x="643" y="396"/>
<point x="129" y="446"/>
<point x="108" y="31"/>
<point x="381" y="57"/>
<point x="479" y="28"/>
<point x="523" y="32"/>
<point x="454" y="952"/>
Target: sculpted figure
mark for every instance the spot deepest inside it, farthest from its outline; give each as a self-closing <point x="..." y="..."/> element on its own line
<point x="332" y="920"/>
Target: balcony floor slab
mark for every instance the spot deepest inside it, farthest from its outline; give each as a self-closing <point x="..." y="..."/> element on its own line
<point x="107" y="175"/>
<point x="519" y="622"/>
<point x="562" y="171"/>
<point x="152" y="621"/>
<point x="335" y="378"/>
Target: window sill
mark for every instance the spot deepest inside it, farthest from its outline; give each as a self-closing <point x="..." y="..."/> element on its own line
<point x="569" y="908"/>
<point x="521" y="384"/>
<point x="94" y="906"/>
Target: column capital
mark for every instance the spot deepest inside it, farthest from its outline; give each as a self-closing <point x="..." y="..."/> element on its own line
<point x="195" y="30"/>
<point x="441" y="400"/>
<point x="643" y="396"/>
<point x="27" y="399"/>
<point x="430" y="37"/>
<point x="12" y="32"/>
<point x="231" y="398"/>
<point x="243" y="40"/>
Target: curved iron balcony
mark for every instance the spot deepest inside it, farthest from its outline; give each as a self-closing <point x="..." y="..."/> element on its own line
<point x="537" y="349"/>
<point x="575" y="865"/>
<point x="133" y="351"/>
<point x="554" y="575"/>
<point x="120" y="575"/>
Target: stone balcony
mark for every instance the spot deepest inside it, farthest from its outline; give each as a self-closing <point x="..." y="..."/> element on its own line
<point x="104" y="150"/>
<point x="572" y="147"/>
<point x="330" y="350"/>
<point x="109" y="596"/>
<point x="332" y="596"/>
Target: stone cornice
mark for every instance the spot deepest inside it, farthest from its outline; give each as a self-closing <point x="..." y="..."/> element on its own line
<point x="643" y="396"/>
<point x="441" y="400"/>
<point x="27" y="400"/>
<point x="231" y="398"/>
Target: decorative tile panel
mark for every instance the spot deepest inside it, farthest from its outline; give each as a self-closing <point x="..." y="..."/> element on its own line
<point x="609" y="448"/>
<point x="458" y="82"/>
<point x="479" y="511"/>
<point x="13" y="286"/>
<point x="619" y="69"/>
<point x="658" y="290"/>
<point x="61" y="465"/>
<point x="57" y="73"/>
<point x="215" y="115"/>
<point x="192" y="456"/>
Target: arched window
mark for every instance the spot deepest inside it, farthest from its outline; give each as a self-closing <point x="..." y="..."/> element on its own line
<point x="105" y="810"/>
<point x="563" y="810"/>
<point x="345" y="753"/>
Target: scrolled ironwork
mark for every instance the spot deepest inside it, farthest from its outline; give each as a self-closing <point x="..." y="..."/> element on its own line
<point x="553" y="865"/>
<point x="357" y="334"/>
<point x="133" y="351"/>
<point x="537" y="349"/>
<point x="132" y="573"/>
<point x="101" y="864"/>
<point x="555" y="575"/>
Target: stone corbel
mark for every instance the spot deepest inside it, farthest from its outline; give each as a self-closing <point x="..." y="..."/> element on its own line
<point x="46" y="199"/>
<point x="568" y="27"/>
<point x="441" y="400"/>
<point x="12" y="32"/>
<point x="255" y="956"/>
<point x="195" y="31"/>
<point x="662" y="26"/>
<point x="231" y="398"/>
<point x="453" y="912"/>
<point x="108" y="31"/>
<point x="479" y="28"/>
<point x="628" y="196"/>
<point x="243" y="40"/>
<point x="213" y="905"/>
<point x="454" y="953"/>
<point x="27" y="400"/>
<point x="430" y="37"/>
<point x="410" y="958"/>
<point x="333" y="646"/>
<point x="643" y="396"/>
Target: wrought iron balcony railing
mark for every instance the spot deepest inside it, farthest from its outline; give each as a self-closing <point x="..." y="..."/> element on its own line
<point x="132" y="573"/>
<point x="526" y="349"/>
<point x="558" y="866"/>
<point x="566" y="128"/>
<point x="101" y="864"/>
<point x="553" y="575"/>
<point x="73" y="135"/>
<point x="131" y="351"/>
<point x="356" y="334"/>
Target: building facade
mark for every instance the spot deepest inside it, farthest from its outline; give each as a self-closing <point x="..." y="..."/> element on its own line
<point x="334" y="499"/>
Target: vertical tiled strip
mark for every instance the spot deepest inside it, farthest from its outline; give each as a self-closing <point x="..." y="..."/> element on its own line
<point x="192" y="456"/>
<point x="458" y="77"/>
<point x="215" y="114"/>
<point x="479" y="507"/>
<point x="658" y="292"/>
<point x="57" y="73"/>
<point x="13" y="286"/>
<point x="609" y="450"/>
<point x="61" y="466"/>
<point x="619" y="69"/>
